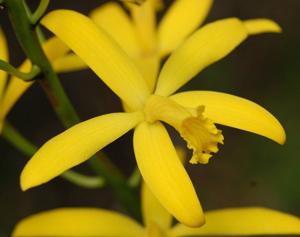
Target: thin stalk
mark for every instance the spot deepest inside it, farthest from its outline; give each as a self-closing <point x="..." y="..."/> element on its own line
<point x="28" y="39"/>
<point x="26" y="76"/>
<point x="10" y="134"/>
<point x="39" y="12"/>
<point x="16" y="139"/>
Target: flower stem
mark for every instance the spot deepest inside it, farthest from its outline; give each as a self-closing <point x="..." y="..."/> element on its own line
<point x="15" y="138"/>
<point x="26" y="76"/>
<point x="39" y="12"/>
<point x="28" y="39"/>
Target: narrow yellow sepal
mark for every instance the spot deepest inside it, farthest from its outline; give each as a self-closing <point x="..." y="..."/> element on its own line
<point x="234" y="111"/>
<point x="243" y="221"/>
<point x="149" y="67"/>
<point x="75" y="146"/>
<point x="165" y="175"/>
<point x="181" y="19"/>
<point x="204" y="47"/>
<point x="78" y="222"/>
<point x="153" y="211"/>
<point x="68" y="63"/>
<point x="114" y="20"/>
<point x="101" y="53"/>
<point x="258" y="26"/>
<point x="144" y="20"/>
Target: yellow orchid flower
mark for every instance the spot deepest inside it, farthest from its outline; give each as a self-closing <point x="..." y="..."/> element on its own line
<point x="157" y="222"/>
<point x="193" y="114"/>
<point x="147" y="42"/>
<point x="11" y="89"/>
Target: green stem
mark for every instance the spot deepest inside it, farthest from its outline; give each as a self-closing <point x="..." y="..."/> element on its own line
<point x="26" y="76"/>
<point x="15" y="138"/>
<point x="83" y="180"/>
<point x="39" y="12"/>
<point x="28" y="39"/>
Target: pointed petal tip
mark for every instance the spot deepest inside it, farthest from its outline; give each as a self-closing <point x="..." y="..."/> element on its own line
<point x="24" y="188"/>
<point x="29" y="178"/>
<point x="258" y="26"/>
<point x="25" y="182"/>
<point x="282" y="139"/>
<point x="278" y="135"/>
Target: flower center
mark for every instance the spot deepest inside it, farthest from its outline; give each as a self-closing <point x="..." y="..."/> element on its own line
<point x="199" y="132"/>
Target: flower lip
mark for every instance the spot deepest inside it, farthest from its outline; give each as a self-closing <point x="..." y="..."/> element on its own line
<point x="199" y="132"/>
<point x="202" y="137"/>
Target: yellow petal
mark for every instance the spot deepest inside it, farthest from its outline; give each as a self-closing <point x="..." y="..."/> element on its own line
<point x="144" y="19"/>
<point x="235" y="112"/>
<point x="68" y="63"/>
<point x="206" y="46"/>
<point x="75" y="146"/>
<point x="181" y="20"/>
<point x="100" y="53"/>
<point x="243" y="221"/>
<point x="153" y="211"/>
<point x="79" y="222"/>
<point x="54" y="48"/>
<point x="114" y="20"/>
<point x="149" y="67"/>
<point x="258" y="26"/>
<point x="4" y="57"/>
<point x="164" y="173"/>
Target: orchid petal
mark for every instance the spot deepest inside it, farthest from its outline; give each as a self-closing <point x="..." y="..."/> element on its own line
<point x="114" y="20"/>
<point x="243" y="221"/>
<point x="234" y="111"/>
<point x="68" y="63"/>
<point x="206" y="46"/>
<point x="75" y="146"/>
<point x="101" y="53"/>
<point x="144" y="19"/>
<point x="153" y="211"/>
<point x="78" y="222"/>
<point x="164" y="173"/>
<point x="149" y="67"/>
<point x="182" y="18"/>
<point x="258" y="26"/>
